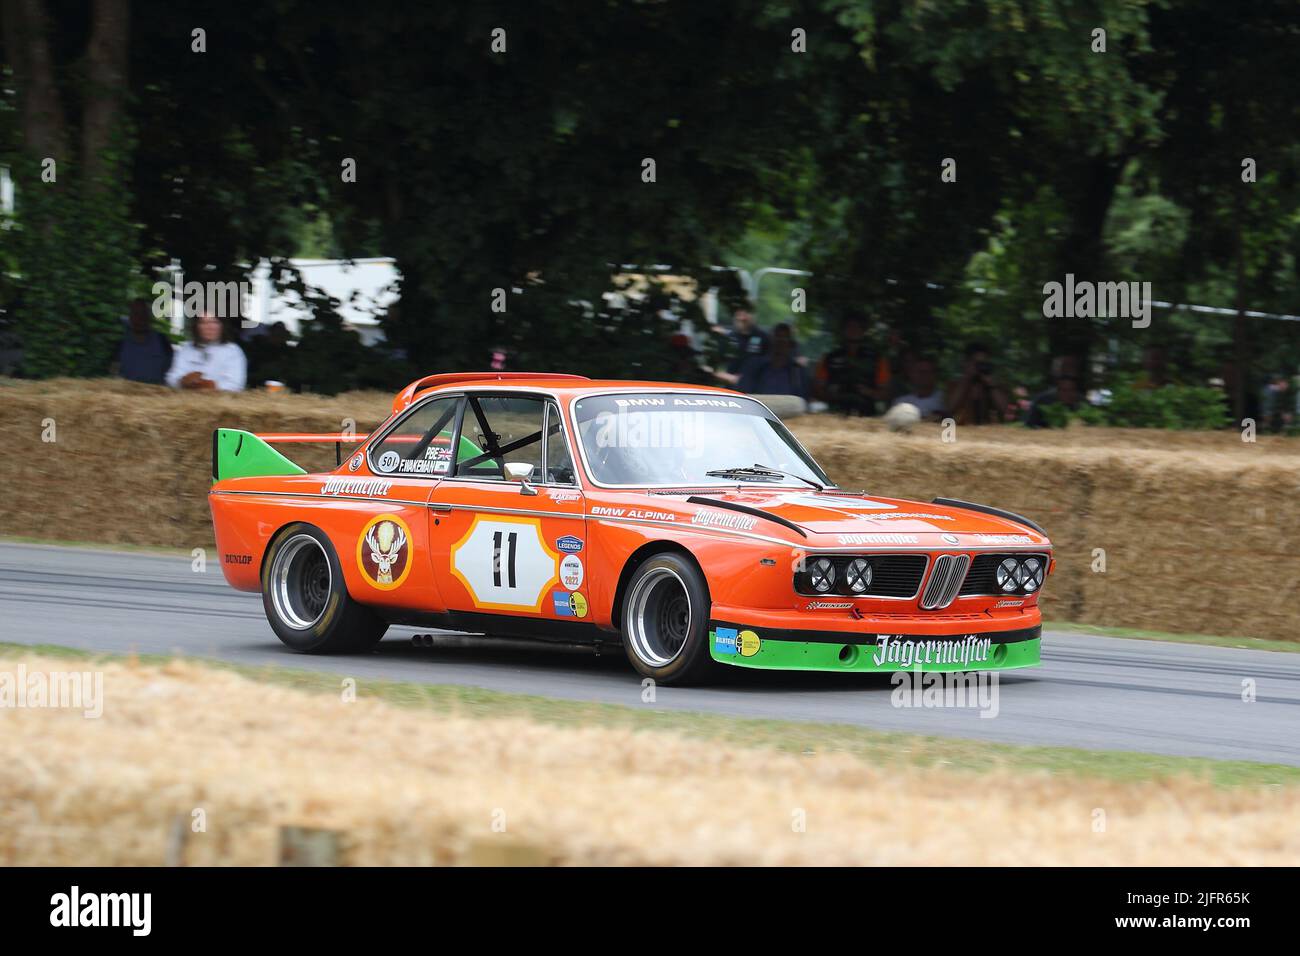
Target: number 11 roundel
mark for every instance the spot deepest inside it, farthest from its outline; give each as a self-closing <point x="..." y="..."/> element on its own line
<point x="505" y="564"/>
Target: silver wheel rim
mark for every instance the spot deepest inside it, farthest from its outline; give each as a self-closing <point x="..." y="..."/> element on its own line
<point x="658" y="617"/>
<point x="301" y="581"/>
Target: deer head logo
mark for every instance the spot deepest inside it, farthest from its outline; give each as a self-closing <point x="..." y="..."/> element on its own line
<point x="386" y="541"/>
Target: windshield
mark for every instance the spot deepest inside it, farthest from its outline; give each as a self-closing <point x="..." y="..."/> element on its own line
<point x="677" y="439"/>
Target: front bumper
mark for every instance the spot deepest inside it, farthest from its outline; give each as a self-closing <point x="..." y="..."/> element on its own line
<point x="957" y="642"/>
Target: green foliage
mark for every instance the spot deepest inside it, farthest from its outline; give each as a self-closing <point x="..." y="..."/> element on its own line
<point x="75" y="254"/>
<point x="1130" y="406"/>
<point x="522" y="170"/>
<point x="1170" y="406"/>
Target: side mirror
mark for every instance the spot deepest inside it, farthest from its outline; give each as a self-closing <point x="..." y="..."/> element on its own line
<point x="521" y="471"/>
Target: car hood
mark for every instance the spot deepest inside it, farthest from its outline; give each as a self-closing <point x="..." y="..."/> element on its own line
<point x="866" y="520"/>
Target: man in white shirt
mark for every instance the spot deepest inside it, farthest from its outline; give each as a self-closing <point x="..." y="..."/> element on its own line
<point x="210" y="362"/>
<point x="922" y="377"/>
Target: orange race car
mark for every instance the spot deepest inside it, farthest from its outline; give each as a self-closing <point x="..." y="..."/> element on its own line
<point x="685" y="523"/>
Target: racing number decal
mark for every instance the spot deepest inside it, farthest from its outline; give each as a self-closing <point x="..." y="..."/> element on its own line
<point x="505" y="564"/>
<point x="513" y="539"/>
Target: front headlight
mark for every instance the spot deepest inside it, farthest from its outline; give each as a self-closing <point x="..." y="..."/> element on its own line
<point x="858" y="575"/>
<point x="1008" y="574"/>
<point x="1032" y="574"/>
<point x="821" y="575"/>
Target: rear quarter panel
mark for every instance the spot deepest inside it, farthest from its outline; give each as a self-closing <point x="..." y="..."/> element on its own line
<point x="245" y="522"/>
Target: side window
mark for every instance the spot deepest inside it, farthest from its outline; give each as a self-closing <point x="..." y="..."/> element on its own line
<point x="559" y="464"/>
<point x="421" y="442"/>
<point x="499" y="430"/>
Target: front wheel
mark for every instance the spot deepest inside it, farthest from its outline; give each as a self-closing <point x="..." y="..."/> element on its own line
<point x="306" y="598"/>
<point x="666" y="621"/>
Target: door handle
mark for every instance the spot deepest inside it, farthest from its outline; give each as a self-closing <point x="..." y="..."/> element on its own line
<point x="435" y="506"/>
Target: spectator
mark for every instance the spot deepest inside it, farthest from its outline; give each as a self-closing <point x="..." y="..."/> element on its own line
<point x="923" y="378"/>
<point x="976" y="398"/>
<point x="270" y="354"/>
<point x="745" y="341"/>
<point x="210" y="361"/>
<point x="846" y="377"/>
<point x="778" y="372"/>
<point x="1067" y="393"/>
<point x="144" y="354"/>
<point x="1278" y="405"/>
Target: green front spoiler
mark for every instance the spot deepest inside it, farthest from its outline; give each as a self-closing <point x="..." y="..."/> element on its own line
<point x="742" y="646"/>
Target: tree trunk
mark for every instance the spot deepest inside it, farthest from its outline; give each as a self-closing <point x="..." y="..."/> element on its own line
<point x="1240" y="347"/>
<point x="43" y="125"/>
<point x="106" y="61"/>
<point x="1082" y="254"/>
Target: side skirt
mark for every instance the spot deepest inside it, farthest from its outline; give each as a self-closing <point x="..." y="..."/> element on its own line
<point x="506" y="625"/>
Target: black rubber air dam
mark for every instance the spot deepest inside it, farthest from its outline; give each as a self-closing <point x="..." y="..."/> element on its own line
<point x="985" y="509"/>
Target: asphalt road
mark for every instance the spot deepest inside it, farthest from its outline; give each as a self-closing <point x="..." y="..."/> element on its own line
<point x="1091" y="692"/>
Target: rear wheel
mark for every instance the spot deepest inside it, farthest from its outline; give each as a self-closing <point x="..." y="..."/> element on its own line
<point x="666" y="621"/>
<point x="307" y="601"/>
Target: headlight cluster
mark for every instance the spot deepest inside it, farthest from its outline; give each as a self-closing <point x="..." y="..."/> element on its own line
<point x="1020" y="575"/>
<point x="824" y="576"/>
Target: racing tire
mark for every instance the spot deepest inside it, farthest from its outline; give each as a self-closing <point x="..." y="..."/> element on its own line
<point x="306" y="598"/>
<point x="665" y="621"/>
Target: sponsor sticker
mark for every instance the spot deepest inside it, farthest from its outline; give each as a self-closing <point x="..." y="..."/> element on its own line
<point x="565" y="495"/>
<point x="881" y="537"/>
<point x="828" y="606"/>
<point x="356" y="486"/>
<point x="602" y="511"/>
<point x="1004" y="539"/>
<point x="709" y="518"/>
<point x="569" y="544"/>
<point x="730" y="640"/>
<point x="384" y="552"/>
<point x="836" y="501"/>
<point x="571" y="572"/>
<point x="923" y="515"/>
<point x="725" y="639"/>
<point x="569" y="605"/>
<point x="678" y="402"/>
<point x="239" y="559"/>
<point x="905" y="651"/>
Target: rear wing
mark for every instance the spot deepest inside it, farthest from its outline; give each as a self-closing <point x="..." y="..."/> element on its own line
<point x="241" y="454"/>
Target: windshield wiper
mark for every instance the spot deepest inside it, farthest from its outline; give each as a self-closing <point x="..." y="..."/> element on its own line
<point x="789" y="474"/>
<point x="759" y="473"/>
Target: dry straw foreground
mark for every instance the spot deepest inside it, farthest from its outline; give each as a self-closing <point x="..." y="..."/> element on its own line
<point x="1200" y="532"/>
<point x="411" y="787"/>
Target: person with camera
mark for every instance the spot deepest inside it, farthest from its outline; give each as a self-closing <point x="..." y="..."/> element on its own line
<point x="976" y="398"/>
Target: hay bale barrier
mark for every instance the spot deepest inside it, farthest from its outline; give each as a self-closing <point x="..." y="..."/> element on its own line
<point x="186" y="765"/>
<point x="1200" y="531"/>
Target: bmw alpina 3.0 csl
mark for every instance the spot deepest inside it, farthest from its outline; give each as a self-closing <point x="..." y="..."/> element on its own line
<point x="685" y="523"/>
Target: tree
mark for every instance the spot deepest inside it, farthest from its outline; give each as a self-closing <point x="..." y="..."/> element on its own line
<point x="75" y="242"/>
